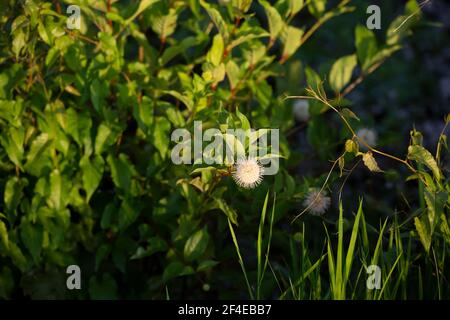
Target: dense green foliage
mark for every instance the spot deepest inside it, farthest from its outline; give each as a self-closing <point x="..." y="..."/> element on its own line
<point x="86" y="176"/>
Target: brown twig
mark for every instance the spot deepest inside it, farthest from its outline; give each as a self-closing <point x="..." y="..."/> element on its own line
<point x="361" y="77"/>
<point x="108" y="10"/>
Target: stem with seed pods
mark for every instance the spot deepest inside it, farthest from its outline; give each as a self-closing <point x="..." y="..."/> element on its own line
<point x="322" y="98"/>
<point x="316" y="96"/>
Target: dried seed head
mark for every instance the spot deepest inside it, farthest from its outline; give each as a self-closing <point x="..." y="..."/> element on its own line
<point x="369" y="136"/>
<point x="301" y="110"/>
<point x="317" y="202"/>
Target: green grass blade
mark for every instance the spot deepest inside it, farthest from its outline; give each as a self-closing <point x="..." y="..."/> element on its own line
<point x="331" y="265"/>
<point x="269" y="240"/>
<point x="305" y="275"/>
<point x="259" y="245"/>
<point x="378" y="247"/>
<point x="365" y="238"/>
<point x="351" y="247"/>
<point x="386" y="281"/>
<point x="241" y="262"/>
<point x="339" y="258"/>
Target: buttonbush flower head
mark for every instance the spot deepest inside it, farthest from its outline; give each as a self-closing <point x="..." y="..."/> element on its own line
<point x="369" y="136"/>
<point x="301" y="110"/>
<point x="317" y="202"/>
<point x="249" y="173"/>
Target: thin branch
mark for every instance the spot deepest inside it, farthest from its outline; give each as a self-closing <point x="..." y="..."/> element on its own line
<point x="320" y="22"/>
<point x="361" y="77"/>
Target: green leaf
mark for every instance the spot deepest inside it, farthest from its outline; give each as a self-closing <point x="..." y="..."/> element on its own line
<point x="399" y="29"/>
<point x="313" y="79"/>
<point x="218" y="21"/>
<point x="143" y="4"/>
<point x="102" y="252"/>
<point x="206" y="264"/>
<point x="119" y="255"/>
<point x="242" y="5"/>
<point x="435" y="204"/>
<point x="423" y="156"/>
<point x="92" y="174"/>
<point x="106" y="136"/>
<point x="244" y="121"/>
<point x="196" y="244"/>
<point x="128" y="213"/>
<point x="295" y="6"/>
<point x="12" y="140"/>
<point x="413" y="8"/>
<point x="19" y="42"/>
<point x="187" y="101"/>
<point x="317" y="7"/>
<point x="17" y="257"/>
<point x="366" y="46"/>
<point x="32" y="236"/>
<point x="4" y="235"/>
<point x="341" y="72"/>
<point x="45" y="36"/>
<point x="276" y="22"/>
<point x="445" y="228"/>
<point x="155" y="244"/>
<point x="57" y="195"/>
<point x="215" y="54"/>
<point x="212" y="73"/>
<point x="103" y="287"/>
<point x="179" y="48"/>
<point x="176" y="269"/>
<point x="229" y="212"/>
<point x="164" y="25"/>
<point x="349" y="114"/>
<point x="232" y="70"/>
<point x="78" y="126"/>
<point x="244" y="36"/>
<point x="424" y="233"/>
<point x="99" y="91"/>
<point x="291" y="37"/>
<point x="13" y="193"/>
<point x="234" y="145"/>
<point x="161" y="135"/>
<point x="121" y="171"/>
<point x="6" y="283"/>
<point x="35" y="158"/>
<point x="143" y="113"/>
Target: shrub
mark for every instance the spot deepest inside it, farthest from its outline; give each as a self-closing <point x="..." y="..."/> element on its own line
<point x="87" y="177"/>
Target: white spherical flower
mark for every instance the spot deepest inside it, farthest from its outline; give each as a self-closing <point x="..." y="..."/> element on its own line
<point x="369" y="136"/>
<point x="317" y="202"/>
<point x="249" y="173"/>
<point x="301" y="110"/>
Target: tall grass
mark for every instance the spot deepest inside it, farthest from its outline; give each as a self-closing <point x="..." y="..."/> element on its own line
<point x="340" y="271"/>
<point x="262" y="265"/>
